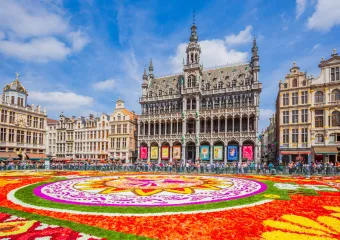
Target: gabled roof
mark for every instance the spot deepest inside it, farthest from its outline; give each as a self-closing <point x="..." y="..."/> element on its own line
<point x="51" y="121"/>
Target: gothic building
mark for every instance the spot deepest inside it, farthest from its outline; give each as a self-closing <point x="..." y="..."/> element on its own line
<point x="207" y="114"/>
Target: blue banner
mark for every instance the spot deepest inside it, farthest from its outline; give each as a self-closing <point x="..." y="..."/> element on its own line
<point x="205" y="153"/>
<point x="232" y="153"/>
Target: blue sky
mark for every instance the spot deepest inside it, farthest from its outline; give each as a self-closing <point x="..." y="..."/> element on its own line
<point x="80" y="56"/>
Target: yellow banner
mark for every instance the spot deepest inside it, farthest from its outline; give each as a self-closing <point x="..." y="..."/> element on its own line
<point x="154" y="153"/>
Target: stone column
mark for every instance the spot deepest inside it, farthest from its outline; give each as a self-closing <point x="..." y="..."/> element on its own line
<point x="138" y="151"/>
<point x="197" y="150"/>
<point x="183" y="153"/>
<point x="226" y="124"/>
<point x="149" y="148"/>
<point x="211" y="154"/>
<point x="170" y="153"/>
<point x="205" y="125"/>
<point x="225" y="154"/>
<point x="177" y="127"/>
<point x="240" y="153"/>
<point x="218" y="124"/>
<point x="233" y="124"/>
<point x="248" y="124"/>
<point x="160" y="128"/>
<point x="154" y="128"/>
<point x="171" y="122"/>
<point x="165" y="128"/>
<point x="212" y="125"/>
<point x="149" y="125"/>
<point x="159" y="154"/>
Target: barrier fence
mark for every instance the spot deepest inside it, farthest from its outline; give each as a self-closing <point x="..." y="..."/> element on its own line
<point x="320" y="169"/>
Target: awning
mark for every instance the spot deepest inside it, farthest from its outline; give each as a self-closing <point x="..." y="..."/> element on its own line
<point x="295" y="152"/>
<point x="330" y="150"/>
<point x="8" y="155"/>
<point x="36" y="156"/>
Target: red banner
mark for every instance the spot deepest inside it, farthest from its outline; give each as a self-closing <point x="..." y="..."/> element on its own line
<point x="143" y="152"/>
<point x="248" y="152"/>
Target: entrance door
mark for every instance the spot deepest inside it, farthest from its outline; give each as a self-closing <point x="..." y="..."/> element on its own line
<point x="191" y="151"/>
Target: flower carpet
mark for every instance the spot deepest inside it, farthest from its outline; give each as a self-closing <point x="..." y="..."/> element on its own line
<point x="105" y="205"/>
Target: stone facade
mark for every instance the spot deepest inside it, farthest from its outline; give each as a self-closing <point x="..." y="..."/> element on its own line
<point x="123" y="134"/>
<point x="22" y="126"/>
<point x="268" y="141"/>
<point x="308" y="114"/>
<point x="200" y="110"/>
<point x="51" y="138"/>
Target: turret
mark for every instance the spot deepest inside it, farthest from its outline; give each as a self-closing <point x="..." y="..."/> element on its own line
<point x="145" y="83"/>
<point x="151" y="70"/>
<point x="255" y="61"/>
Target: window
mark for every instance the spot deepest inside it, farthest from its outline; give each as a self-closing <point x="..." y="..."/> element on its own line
<point x="35" y="122"/>
<point x="319" y="138"/>
<point x="285" y="136"/>
<point x="28" y="137"/>
<point x="304" y="83"/>
<point x="233" y="83"/>
<point x="35" y="138"/>
<point x="334" y="138"/>
<point x="285" y="99"/>
<point x="304" y="115"/>
<point x="3" y="116"/>
<point x="285" y="117"/>
<point x="29" y="121"/>
<point x="118" y="128"/>
<point x="207" y="86"/>
<point x="119" y="117"/>
<point x="11" y="117"/>
<point x="118" y="143"/>
<point x="12" y="99"/>
<point x="170" y="91"/>
<point x="160" y="93"/>
<point x="295" y="116"/>
<point x="112" y="143"/>
<point x="295" y="135"/>
<point x="11" y="135"/>
<point x="304" y="135"/>
<point x="41" y="124"/>
<point x="20" y="136"/>
<point x="3" y="133"/>
<point x="125" y="128"/>
<point x="318" y="118"/>
<point x="113" y="129"/>
<point x="220" y="84"/>
<point x="335" y="96"/>
<point x="304" y="97"/>
<point x="124" y="142"/>
<point x="191" y="81"/>
<point x="336" y="119"/>
<point x="41" y="139"/>
<point x="295" y="83"/>
<point x="318" y="97"/>
<point x="335" y="74"/>
<point x="285" y="85"/>
<point x="295" y="98"/>
<point x="150" y="94"/>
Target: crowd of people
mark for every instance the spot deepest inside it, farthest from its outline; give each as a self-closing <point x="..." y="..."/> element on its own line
<point x="188" y="166"/>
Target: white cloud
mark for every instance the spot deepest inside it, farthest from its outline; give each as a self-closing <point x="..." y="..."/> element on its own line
<point x="105" y="85"/>
<point x="241" y="38"/>
<point x="78" y="40"/>
<point x="214" y="52"/>
<point x="27" y="21"/>
<point x="60" y="100"/>
<point x="316" y="46"/>
<point x="37" y="32"/>
<point x="300" y="7"/>
<point x="326" y="15"/>
<point x="265" y="114"/>
<point x="38" y="50"/>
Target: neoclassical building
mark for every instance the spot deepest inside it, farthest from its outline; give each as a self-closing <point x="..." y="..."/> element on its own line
<point x="22" y="126"/>
<point x="210" y="114"/>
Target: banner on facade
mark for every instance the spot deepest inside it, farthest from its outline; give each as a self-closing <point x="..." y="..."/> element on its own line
<point x="154" y="153"/>
<point x="218" y="152"/>
<point x="176" y="155"/>
<point x="165" y="153"/>
<point x="143" y="153"/>
<point x="204" y="153"/>
<point x="248" y="153"/>
<point x="232" y="153"/>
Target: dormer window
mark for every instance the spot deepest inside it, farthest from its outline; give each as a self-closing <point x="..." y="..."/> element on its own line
<point x="220" y="84"/>
<point x="285" y="85"/>
<point x="335" y="74"/>
<point x="295" y="83"/>
<point x="150" y="94"/>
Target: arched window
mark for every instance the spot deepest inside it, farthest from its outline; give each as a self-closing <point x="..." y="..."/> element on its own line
<point x="295" y="83"/>
<point x="285" y="85"/>
<point x="220" y="84"/>
<point x="319" y="138"/>
<point x="193" y="81"/>
<point x="318" y="97"/>
<point x="189" y="81"/>
<point x="304" y="83"/>
<point x="336" y="119"/>
<point x="119" y="117"/>
<point x="335" y="96"/>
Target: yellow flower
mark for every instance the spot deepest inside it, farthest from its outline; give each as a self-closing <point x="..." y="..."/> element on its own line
<point x="302" y="228"/>
<point x="271" y="196"/>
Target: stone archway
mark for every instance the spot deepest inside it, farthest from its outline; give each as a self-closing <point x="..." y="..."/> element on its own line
<point x="190" y="151"/>
<point x="233" y="151"/>
<point x="248" y="150"/>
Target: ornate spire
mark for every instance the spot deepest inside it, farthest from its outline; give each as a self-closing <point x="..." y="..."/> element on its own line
<point x="254" y="48"/>
<point x="334" y="53"/>
<point x="193" y="36"/>
<point x="17" y="77"/>
<point x="145" y="76"/>
<point x="151" y="69"/>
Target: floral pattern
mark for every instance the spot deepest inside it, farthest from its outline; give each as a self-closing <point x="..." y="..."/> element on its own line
<point x="157" y="190"/>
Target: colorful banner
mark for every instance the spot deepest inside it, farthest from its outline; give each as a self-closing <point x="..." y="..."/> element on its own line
<point x="248" y="153"/>
<point x="143" y="153"/>
<point x="218" y="152"/>
<point x="204" y="153"/>
<point x="154" y="153"/>
<point x="232" y="153"/>
<point x="165" y="153"/>
<point x="176" y="154"/>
